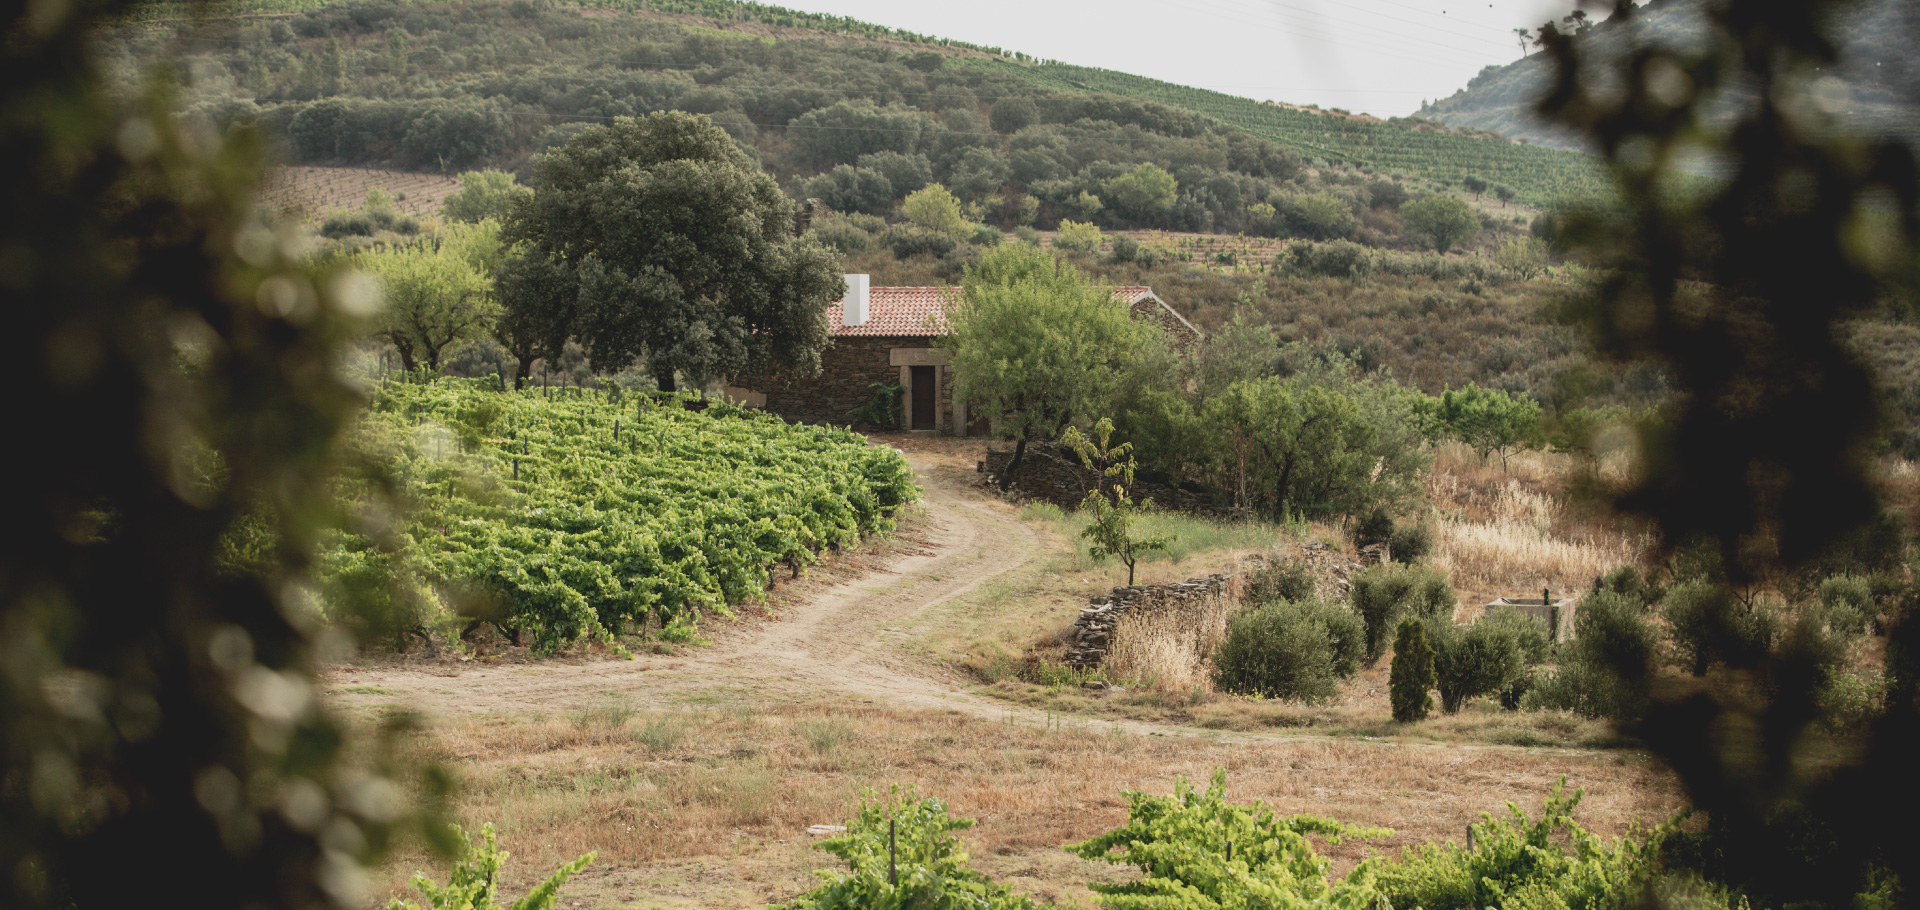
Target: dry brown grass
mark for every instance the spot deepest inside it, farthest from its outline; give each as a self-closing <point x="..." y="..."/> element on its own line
<point x="716" y="817"/>
<point x="1509" y="531"/>
<point x="1172" y="647"/>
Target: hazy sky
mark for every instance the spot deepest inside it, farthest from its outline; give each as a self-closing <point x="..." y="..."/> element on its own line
<point x="1378" y="56"/>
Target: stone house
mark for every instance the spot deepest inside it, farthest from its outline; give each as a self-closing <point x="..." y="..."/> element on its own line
<point x="889" y="335"/>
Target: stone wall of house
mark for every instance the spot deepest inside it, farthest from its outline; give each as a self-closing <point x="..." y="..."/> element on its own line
<point x="1052" y="474"/>
<point x="1181" y="334"/>
<point x="848" y="369"/>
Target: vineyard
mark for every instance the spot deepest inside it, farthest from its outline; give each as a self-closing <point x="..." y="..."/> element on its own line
<point x="586" y="514"/>
<point x="315" y="191"/>
<point x="1539" y="176"/>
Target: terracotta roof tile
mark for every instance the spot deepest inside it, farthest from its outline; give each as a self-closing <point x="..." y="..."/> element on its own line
<point x="898" y="311"/>
<point x="922" y="312"/>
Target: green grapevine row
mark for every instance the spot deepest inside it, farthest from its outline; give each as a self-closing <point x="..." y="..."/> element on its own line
<point x="579" y="515"/>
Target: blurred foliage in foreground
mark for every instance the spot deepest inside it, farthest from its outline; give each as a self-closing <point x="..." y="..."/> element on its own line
<point x="160" y="733"/>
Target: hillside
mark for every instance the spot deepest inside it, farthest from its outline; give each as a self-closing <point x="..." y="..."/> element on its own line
<point x="1878" y="88"/>
<point x="450" y="86"/>
<point x="1402" y="146"/>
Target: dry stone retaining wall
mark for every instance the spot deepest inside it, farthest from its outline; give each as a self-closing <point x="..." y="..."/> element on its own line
<point x="1092" y="635"/>
<point x="1092" y="632"/>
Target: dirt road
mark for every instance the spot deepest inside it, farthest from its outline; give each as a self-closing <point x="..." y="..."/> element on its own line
<point x="846" y="637"/>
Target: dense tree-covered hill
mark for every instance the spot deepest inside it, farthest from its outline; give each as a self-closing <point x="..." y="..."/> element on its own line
<point x="1876" y="88"/>
<point x="852" y="113"/>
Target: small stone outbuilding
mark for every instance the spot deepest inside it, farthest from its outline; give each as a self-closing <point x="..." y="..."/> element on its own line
<point x="889" y="335"/>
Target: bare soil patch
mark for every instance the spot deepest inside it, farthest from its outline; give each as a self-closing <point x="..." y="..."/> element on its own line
<point x="315" y="191"/>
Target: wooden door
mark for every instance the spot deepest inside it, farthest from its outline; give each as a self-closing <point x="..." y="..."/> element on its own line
<point x="926" y="397"/>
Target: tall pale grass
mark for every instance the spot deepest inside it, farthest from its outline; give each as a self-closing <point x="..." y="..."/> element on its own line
<point x="1515" y="549"/>
<point x="1169" y="646"/>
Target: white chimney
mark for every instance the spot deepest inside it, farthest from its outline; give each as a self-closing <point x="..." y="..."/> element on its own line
<point x="853" y="310"/>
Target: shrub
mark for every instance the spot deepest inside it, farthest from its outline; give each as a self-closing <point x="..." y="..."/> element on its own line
<point x="1384" y="594"/>
<point x="1027" y="235"/>
<point x="1602" y="672"/>
<point x="984" y="235"/>
<point x="1125" y="249"/>
<point x="1531" y="635"/>
<point x="1077" y="237"/>
<point x="931" y="208"/>
<point x="1386" y="194"/>
<point x="482" y="195"/>
<point x="908" y="241"/>
<point x="1412" y="673"/>
<point x="1412" y="541"/>
<point x="1281" y="579"/>
<point x="1444" y="220"/>
<point x="901" y="852"/>
<point x="1288" y="650"/>
<point x="1472" y="661"/>
<point x="346" y="224"/>
<point x="475" y="879"/>
<point x="843" y="236"/>
<point x="1628" y="582"/>
<point x="1846" y="603"/>
<point x="1377" y="527"/>
<point x="1338" y="259"/>
<point x="872" y="224"/>
<point x="1706" y="623"/>
<point x="1406" y="542"/>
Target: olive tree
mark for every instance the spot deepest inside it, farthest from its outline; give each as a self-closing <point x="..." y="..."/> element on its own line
<point x="482" y="195"/>
<point x="438" y="291"/>
<point x="1033" y="342"/>
<point x="1443" y="219"/>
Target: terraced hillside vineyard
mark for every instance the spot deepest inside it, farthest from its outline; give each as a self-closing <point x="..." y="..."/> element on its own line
<point x="1538" y="175"/>
<point x="580" y="514"/>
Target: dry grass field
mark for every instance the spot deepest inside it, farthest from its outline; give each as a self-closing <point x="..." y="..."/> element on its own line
<point x="1512" y="531"/>
<point x="706" y="804"/>
<point x="315" y="191"/>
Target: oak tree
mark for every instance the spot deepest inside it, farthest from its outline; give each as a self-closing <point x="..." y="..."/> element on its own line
<point x="683" y="249"/>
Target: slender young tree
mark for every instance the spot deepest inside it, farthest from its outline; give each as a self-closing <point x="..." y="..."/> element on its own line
<point x="1110" y="503"/>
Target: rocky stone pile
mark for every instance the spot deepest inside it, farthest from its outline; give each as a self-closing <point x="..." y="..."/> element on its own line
<point x="1333" y="570"/>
